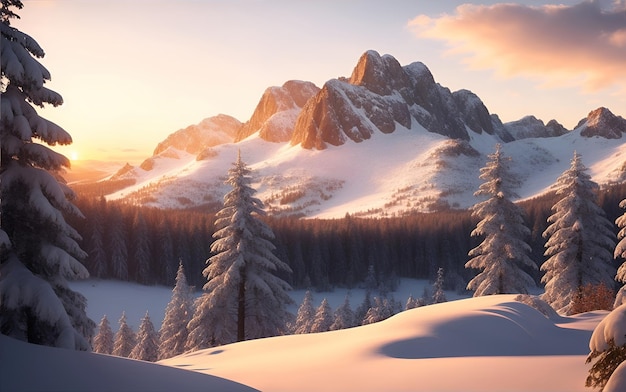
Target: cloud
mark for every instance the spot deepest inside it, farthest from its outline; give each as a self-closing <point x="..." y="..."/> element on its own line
<point x="583" y="44"/>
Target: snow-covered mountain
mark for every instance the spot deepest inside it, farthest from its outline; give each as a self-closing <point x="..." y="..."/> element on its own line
<point x="385" y="141"/>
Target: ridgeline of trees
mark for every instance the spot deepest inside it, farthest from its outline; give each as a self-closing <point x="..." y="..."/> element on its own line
<point x="321" y="253"/>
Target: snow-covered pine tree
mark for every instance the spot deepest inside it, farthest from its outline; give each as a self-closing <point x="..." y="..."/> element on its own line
<point x="363" y="308"/>
<point x="147" y="347"/>
<point x="620" y="252"/>
<point x="439" y="295"/>
<point x="103" y="341"/>
<point x="39" y="252"/>
<point x="125" y="339"/>
<point x="242" y="271"/>
<point x="207" y="328"/>
<point x="412" y="303"/>
<point x="580" y="240"/>
<point x="344" y="316"/>
<point x="608" y="348"/>
<point x="503" y="255"/>
<point x="323" y="318"/>
<point x="382" y="309"/>
<point x="305" y="315"/>
<point x="178" y="314"/>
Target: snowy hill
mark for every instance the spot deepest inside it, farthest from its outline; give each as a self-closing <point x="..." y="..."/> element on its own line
<point x="386" y="141"/>
<point x="478" y="344"/>
<point x="28" y="367"/>
<point x="491" y="343"/>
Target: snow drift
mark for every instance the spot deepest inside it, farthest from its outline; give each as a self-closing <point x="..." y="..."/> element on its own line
<point x="491" y="343"/>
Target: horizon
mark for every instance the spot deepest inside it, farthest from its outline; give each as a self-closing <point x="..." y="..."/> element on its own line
<point x="164" y="67"/>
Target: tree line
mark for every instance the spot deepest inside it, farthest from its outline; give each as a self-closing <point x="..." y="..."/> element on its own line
<point x="145" y="245"/>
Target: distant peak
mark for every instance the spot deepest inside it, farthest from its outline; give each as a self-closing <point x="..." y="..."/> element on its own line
<point x="601" y="122"/>
<point x="596" y="116"/>
<point x="127" y="168"/>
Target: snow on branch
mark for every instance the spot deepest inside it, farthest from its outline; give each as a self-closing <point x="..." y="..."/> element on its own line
<point x="20" y="288"/>
<point x="13" y="34"/>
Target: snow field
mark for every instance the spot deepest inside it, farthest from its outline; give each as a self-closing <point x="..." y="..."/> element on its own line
<point x="483" y="342"/>
<point x="112" y="297"/>
<point x="491" y="343"/>
<point x="394" y="172"/>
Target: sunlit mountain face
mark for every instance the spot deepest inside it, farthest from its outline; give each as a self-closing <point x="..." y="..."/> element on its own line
<point x="386" y="141"/>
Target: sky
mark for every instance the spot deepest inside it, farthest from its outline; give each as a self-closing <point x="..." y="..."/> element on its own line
<point x="131" y="72"/>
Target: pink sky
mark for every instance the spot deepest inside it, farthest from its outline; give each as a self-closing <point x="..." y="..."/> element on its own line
<point x="132" y="72"/>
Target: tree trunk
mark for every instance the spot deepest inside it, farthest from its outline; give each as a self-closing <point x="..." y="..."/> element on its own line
<point x="241" y="309"/>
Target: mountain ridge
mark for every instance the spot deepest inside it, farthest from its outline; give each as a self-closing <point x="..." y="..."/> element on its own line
<point x="324" y="151"/>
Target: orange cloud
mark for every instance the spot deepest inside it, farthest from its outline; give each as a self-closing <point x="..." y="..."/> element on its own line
<point x="583" y="44"/>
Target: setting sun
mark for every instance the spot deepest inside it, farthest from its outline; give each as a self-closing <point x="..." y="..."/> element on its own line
<point x="74" y="155"/>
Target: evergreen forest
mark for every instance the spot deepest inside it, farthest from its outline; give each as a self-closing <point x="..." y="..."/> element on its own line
<point x="145" y="245"/>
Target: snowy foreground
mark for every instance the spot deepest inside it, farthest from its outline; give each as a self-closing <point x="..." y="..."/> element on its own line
<point x="484" y="344"/>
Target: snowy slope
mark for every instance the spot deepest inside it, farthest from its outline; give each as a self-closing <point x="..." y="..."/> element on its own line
<point x="482" y="344"/>
<point x="389" y="140"/>
<point x="28" y="367"/>
<point x="490" y="343"/>
<point x="411" y="169"/>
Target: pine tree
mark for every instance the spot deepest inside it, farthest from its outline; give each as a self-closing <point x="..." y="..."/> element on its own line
<point x="305" y="315"/>
<point x="103" y="341"/>
<point x="608" y="348"/>
<point x="147" y="347"/>
<point x="242" y="282"/>
<point x="370" y="279"/>
<point x="503" y="255"/>
<point x="579" y="240"/>
<point x="141" y="252"/>
<point x="117" y="245"/>
<point x="39" y="250"/>
<point x="439" y="294"/>
<point x="344" y="316"/>
<point x="165" y="252"/>
<point x="178" y="314"/>
<point x="620" y="252"/>
<point x="207" y="328"/>
<point x="363" y="308"/>
<point x="323" y="319"/>
<point x="125" y="339"/>
<point x="382" y="309"/>
<point x="97" y="260"/>
<point x="412" y="303"/>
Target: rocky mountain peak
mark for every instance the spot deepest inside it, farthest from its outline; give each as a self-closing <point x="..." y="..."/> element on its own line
<point x="381" y="75"/>
<point x="195" y="138"/>
<point x="601" y="122"/>
<point x="381" y="94"/>
<point x="277" y="110"/>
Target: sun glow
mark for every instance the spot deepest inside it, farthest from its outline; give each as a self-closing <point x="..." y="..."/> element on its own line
<point x="74" y="155"/>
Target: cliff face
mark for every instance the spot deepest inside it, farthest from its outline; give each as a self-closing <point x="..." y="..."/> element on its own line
<point x="276" y="113"/>
<point x="380" y="94"/>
